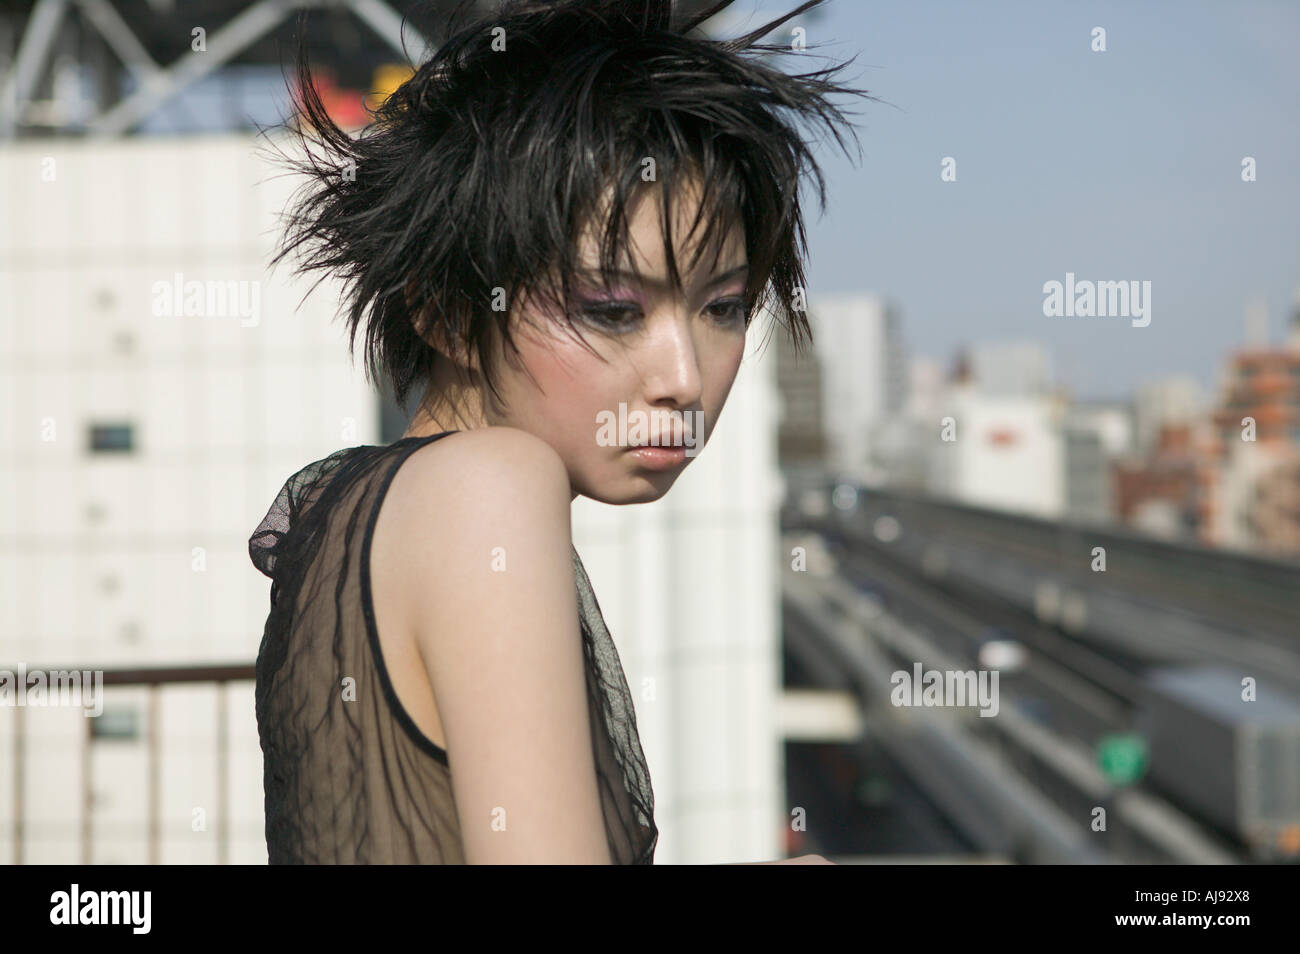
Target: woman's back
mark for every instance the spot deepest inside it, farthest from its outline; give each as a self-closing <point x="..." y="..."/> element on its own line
<point x="349" y="777"/>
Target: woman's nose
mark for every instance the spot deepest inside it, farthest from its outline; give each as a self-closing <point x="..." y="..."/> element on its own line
<point x="671" y="367"/>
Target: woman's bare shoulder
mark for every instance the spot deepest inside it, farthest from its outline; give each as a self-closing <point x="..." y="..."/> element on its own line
<point x="494" y="452"/>
<point x="472" y="490"/>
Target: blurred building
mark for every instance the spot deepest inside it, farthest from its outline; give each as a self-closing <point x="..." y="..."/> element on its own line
<point x="1163" y="491"/>
<point x="801" y="439"/>
<point x="1174" y="401"/>
<point x="903" y="440"/>
<point x="1008" y="454"/>
<point x="1163" y="482"/>
<point x="1223" y="476"/>
<point x="1003" y="450"/>
<point x="863" y="376"/>
<point x="1255" y="447"/>
<point x="1096" y="433"/>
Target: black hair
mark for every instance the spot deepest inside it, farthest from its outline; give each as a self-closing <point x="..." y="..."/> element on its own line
<point x="479" y="172"/>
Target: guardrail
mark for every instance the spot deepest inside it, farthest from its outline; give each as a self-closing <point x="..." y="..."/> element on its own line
<point x="156" y="679"/>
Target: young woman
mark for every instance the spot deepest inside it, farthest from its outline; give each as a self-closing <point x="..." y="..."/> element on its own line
<point x="568" y="214"/>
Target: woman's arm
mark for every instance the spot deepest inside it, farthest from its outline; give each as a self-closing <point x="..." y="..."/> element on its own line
<point x="487" y="587"/>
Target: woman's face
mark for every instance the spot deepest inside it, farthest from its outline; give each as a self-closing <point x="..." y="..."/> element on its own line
<point x="669" y="360"/>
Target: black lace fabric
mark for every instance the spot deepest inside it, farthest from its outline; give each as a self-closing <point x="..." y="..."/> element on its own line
<point x="348" y="776"/>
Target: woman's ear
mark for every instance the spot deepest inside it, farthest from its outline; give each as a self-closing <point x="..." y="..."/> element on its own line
<point x="437" y="336"/>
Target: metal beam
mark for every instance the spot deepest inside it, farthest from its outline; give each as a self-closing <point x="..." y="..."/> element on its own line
<point x="224" y="45"/>
<point x="158" y="83"/>
<point x="114" y="30"/>
<point x="33" y="51"/>
<point x="384" y="20"/>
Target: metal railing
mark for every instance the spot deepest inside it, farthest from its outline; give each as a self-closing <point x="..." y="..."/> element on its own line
<point x="156" y="679"/>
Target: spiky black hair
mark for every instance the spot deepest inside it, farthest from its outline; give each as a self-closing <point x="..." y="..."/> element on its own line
<point x="481" y="171"/>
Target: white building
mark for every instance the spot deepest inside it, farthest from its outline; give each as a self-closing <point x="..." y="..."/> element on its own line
<point x="902" y="442"/>
<point x="1095" y="434"/>
<point x="1001" y="452"/>
<point x="864" y="376"/>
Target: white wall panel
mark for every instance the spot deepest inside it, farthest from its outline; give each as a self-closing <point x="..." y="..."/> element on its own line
<point x="224" y="412"/>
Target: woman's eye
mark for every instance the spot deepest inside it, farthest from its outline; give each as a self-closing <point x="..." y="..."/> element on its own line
<point x="620" y="316"/>
<point x="730" y="311"/>
<point x="612" y="315"/>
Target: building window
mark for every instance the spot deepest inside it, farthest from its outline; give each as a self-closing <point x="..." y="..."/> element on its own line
<point x="116" y="722"/>
<point x="112" y="438"/>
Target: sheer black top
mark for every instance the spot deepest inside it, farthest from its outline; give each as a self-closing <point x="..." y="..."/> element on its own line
<point x="348" y="777"/>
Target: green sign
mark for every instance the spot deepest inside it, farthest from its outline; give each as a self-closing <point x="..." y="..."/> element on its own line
<point x="1123" y="758"/>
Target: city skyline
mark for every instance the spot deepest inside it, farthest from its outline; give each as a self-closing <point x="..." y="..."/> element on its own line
<point x="1123" y="165"/>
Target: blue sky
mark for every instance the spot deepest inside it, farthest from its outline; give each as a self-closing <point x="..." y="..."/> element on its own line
<point x="1122" y="165"/>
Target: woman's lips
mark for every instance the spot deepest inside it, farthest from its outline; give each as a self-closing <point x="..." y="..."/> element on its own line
<point x="659" y="458"/>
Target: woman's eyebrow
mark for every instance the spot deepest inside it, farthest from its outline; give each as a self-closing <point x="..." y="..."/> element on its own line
<point x="632" y="277"/>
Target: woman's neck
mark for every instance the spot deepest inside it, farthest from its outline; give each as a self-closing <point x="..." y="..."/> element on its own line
<point x="449" y="404"/>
